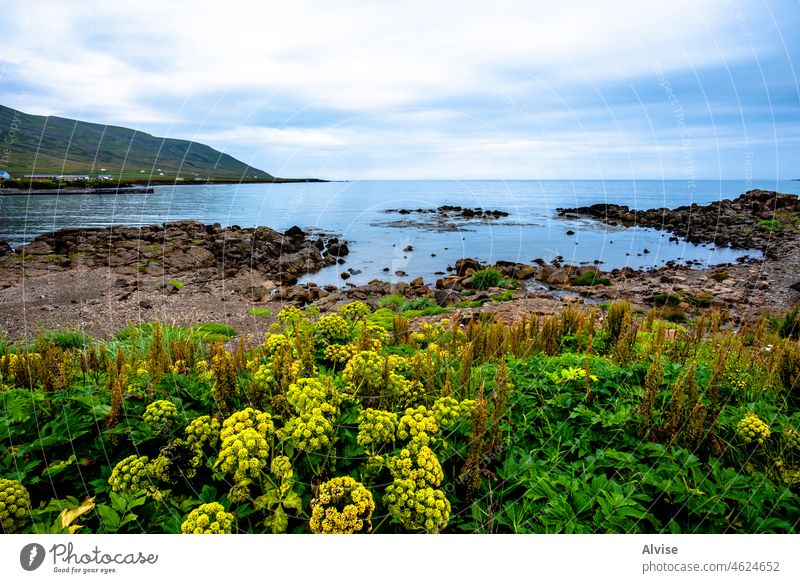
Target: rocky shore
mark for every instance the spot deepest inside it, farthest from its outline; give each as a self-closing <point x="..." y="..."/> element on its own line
<point x="187" y="273"/>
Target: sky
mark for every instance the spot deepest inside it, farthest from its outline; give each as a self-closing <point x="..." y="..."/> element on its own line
<point x="428" y="90"/>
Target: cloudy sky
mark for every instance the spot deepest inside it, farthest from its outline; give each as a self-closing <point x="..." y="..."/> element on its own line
<point x="435" y="89"/>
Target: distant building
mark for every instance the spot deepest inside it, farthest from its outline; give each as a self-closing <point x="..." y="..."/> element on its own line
<point x="42" y="176"/>
<point x="104" y="177"/>
<point x="73" y="177"/>
<point x="4" y="175"/>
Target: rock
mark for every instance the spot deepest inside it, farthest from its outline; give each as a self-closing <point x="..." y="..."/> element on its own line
<point x="418" y="282"/>
<point x="446" y="297"/>
<point x="344" y="275"/>
<point x="295" y="232"/>
<point x="408" y="249"/>
<point x="145" y="304"/>
<point x="467" y="266"/>
<point x="570" y="232"/>
<point x="5" y="250"/>
<point x="559" y="277"/>
<point x="337" y="248"/>
<point x="795" y="286"/>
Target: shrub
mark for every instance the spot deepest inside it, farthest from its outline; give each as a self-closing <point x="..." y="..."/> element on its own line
<point x="790" y="327"/>
<point x="260" y="312"/>
<point x="590" y="278"/>
<point x="486" y="278"/>
<point x="666" y="300"/>
<point x="66" y="339"/>
<point x="770" y="226"/>
<point x="214" y="329"/>
<point x="392" y="301"/>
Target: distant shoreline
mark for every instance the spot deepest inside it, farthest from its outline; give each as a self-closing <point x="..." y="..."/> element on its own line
<point x="136" y="187"/>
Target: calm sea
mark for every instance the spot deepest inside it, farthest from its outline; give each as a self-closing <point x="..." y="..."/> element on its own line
<point x="355" y="211"/>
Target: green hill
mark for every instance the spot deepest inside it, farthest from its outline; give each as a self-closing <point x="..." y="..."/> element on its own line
<point x="35" y="144"/>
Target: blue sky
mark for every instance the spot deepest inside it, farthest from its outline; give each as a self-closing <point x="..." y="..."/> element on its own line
<point x="440" y="90"/>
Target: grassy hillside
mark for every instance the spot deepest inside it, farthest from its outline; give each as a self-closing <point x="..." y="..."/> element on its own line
<point x="56" y="145"/>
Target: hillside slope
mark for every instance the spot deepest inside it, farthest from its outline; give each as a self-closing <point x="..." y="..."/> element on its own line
<point x="57" y="145"/>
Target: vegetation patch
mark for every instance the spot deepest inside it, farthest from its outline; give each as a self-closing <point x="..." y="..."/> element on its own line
<point x="563" y="423"/>
<point x="590" y="278"/>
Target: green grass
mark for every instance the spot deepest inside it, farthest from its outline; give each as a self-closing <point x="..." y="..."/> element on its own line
<point x="260" y="312"/>
<point x="590" y="278"/>
<point x="214" y="331"/>
<point x="392" y="301"/>
<point x="771" y="226"/>
<point x="382" y="317"/>
<point x="666" y="300"/>
<point x="486" y="278"/>
<point x="177" y="283"/>
<point x="66" y="339"/>
<point x="429" y="311"/>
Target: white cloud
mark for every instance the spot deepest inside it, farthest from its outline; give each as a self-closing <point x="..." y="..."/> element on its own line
<point x="371" y="76"/>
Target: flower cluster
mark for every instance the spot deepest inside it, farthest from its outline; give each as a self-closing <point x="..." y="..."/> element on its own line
<point x="290" y="315"/>
<point x="243" y="454"/>
<point x="376" y="427"/>
<point x="407" y="392"/>
<point x="365" y="370"/>
<point x="208" y="519"/>
<point x="417" y="423"/>
<point x="248" y="418"/>
<point x="334" y="327"/>
<point x="446" y="410"/>
<point x="792" y="439"/>
<point x="14" y="505"/>
<point x="309" y="431"/>
<point x="417" y="508"/>
<point x="274" y="343"/>
<point x="132" y="474"/>
<point x="202" y="432"/>
<point x="381" y="335"/>
<point x="751" y="428"/>
<point x="355" y="310"/>
<point x="281" y="467"/>
<point x="419" y="464"/>
<point x="414" y="497"/>
<point x="160" y="413"/>
<point x="340" y="353"/>
<point x="342" y="506"/>
<point x="311" y="393"/>
<point x="264" y="377"/>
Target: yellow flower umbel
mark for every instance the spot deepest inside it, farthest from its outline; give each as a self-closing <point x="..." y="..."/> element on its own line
<point x="376" y="427"/>
<point x="208" y="519"/>
<point x="202" y="432"/>
<point x="14" y="506"/>
<point x="311" y="393"/>
<point x="414" y="498"/>
<point x="342" y="506"/>
<point x="131" y="474"/>
<point x="243" y="455"/>
<point x="334" y="327"/>
<point x="281" y="467"/>
<point x="355" y="310"/>
<point x="275" y="343"/>
<point x="365" y="372"/>
<point x="311" y="431"/>
<point x="751" y="429"/>
<point x="290" y="316"/>
<point x="160" y="414"/>
<point x="446" y="410"/>
<point x="248" y="418"/>
<point x="792" y="439"/>
<point x="340" y="353"/>
<point x="417" y="422"/>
